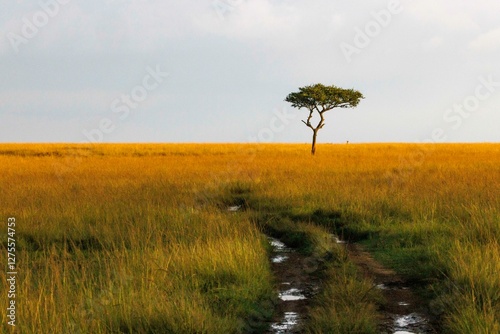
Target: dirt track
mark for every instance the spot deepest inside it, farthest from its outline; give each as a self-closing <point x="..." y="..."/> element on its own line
<point x="404" y="312"/>
<point x="296" y="285"/>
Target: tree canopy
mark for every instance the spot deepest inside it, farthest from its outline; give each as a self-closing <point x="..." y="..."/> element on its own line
<point x="321" y="98"/>
<point x="327" y="97"/>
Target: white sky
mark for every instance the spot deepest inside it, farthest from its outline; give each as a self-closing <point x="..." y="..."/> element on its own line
<point x="66" y="66"/>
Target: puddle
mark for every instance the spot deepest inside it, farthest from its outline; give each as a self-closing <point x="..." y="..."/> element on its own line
<point x="279" y="259"/>
<point x="292" y="294"/>
<point x="399" y="302"/>
<point x="290" y="319"/>
<point x="401" y="310"/>
<point x="234" y="208"/>
<point x="294" y="285"/>
<point x="278" y="246"/>
<point x="338" y="240"/>
<point x="410" y="320"/>
<point x="393" y="286"/>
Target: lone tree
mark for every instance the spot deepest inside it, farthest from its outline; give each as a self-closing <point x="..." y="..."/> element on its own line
<point x="321" y="98"/>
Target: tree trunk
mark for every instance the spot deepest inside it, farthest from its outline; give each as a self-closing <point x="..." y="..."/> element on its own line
<point x="313" y="148"/>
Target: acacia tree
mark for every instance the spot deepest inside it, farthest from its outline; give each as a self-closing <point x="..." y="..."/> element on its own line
<point x="320" y="98"/>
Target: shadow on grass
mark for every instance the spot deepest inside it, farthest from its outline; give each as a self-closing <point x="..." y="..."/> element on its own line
<point x="30" y="243"/>
<point x="348" y="301"/>
<point x="405" y="252"/>
<point x="275" y="218"/>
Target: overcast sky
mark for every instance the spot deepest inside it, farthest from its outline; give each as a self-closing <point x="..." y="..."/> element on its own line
<point x="218" y="71"/>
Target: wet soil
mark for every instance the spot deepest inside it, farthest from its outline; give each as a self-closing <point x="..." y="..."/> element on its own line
<point x="404" y="312"/>
<point x="296" y="284"/>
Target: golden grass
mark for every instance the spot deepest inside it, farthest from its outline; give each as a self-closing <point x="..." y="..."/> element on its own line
<point x="133" y="238"/>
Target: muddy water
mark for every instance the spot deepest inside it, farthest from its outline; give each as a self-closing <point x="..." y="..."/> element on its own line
<point x="295" y="287"/>
<point x="404" y="312"/>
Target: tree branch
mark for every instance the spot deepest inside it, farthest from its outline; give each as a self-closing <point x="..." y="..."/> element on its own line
<point x="321" y="123"/>
<point x="308" y="123"/>
<point x="320" y="98"/>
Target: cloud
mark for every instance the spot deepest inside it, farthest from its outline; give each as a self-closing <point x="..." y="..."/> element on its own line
<point x="447" y="15"/>
<point x="95" y="26"/>
<point x="486" y="42"/>
<point x="239" y="66"/>
<point x="249" y="19"/>
<point x="432" y="43"/>
<point x="24" y="101"/>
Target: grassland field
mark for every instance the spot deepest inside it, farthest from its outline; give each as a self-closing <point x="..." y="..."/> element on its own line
<point x="137" y="238"/>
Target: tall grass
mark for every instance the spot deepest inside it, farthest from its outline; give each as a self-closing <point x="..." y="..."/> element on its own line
<point x="346" y="304"/>
<point x="135" y="238"/>
<point x="121" y="244"/>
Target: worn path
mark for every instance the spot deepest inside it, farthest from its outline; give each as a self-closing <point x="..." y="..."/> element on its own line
<point x="296" y="286"/>
<point x="404" y="312"/>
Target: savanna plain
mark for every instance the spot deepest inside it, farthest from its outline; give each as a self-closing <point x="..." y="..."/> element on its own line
<point x="138" y="238"/>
